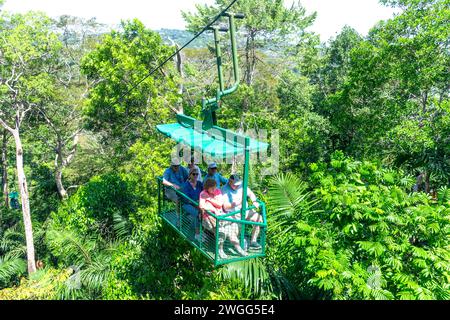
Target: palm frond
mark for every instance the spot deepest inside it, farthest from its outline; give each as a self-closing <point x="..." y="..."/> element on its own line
<point x="443" y="195"/>
<point x="251" y="273"/>
<point x="90" y="277"/>
<point x="286" y="193"/>
<point x="285" y="287"/>
<point x="95" y="275"/>
<point x="11" y="267"/>
<point x="121" y="226"/>
<point x="16" y="252"/>
<point x="67" y="244"/>
<point x="289" y="200"/>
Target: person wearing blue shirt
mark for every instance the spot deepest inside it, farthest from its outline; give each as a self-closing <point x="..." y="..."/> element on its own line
<point x="192" y="188"/>
<point x="213" y="174"/>
<point x="174" y="177"/>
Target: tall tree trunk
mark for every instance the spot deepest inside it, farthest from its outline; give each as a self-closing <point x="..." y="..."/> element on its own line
<point x="5" y="168"/>
<point x="419" y="182"/>
<point x="250" y="57"/>
<point x="61" y="163"/>
<point x="25" y="202"/>
<point x="58" y="177"/>
<point x="248" y="70"/>
<point x="427" y="182"/>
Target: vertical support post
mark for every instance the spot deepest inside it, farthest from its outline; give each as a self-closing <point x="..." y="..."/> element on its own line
<point x="180" y="213"/>
<point x="159" y="197"/>
<point x="234" y="48"/>
<point x="217" y="243"/>
<point x="219" y="72"/>
<point x="244" y="188"/>
<point x="201" y="229"/>
<point x="218" y="57"/>
<point x="209" y="106"/>
<point x="263" y="230"/>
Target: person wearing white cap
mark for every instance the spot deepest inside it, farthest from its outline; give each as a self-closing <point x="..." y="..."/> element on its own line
<point x="174" y="176"/>
<point x="232" y="193"/>
<point x="213" y="174"/>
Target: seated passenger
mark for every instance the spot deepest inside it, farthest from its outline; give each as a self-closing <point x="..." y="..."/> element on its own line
<point x="211" y="200"/>
<point x="192" y="189"/>
<point x="213" y="174"/>
<point x="193" y="165"/>
<point x="232" y="194"/>
<point x="174" y="176"/>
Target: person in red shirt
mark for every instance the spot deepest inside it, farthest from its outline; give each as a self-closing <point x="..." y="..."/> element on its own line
<point x="211" y="200"/>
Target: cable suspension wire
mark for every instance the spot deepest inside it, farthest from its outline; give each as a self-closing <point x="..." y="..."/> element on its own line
<point x="176" y="52"/>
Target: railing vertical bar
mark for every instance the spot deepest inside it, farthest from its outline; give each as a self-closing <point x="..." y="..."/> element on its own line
<point x="263" y="229"/>
<point x="217" y="243"/>
<point x="159" y="197"/>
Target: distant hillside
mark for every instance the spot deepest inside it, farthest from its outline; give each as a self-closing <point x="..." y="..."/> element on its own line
<point x="182" y="36"/>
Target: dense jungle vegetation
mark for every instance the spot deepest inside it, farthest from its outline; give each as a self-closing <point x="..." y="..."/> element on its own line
<point x="360" y="206"/>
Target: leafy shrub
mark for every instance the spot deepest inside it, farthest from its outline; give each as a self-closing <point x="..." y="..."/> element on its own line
<point x="359" y="234"/>
<point x="304" y="138"/>
<point x="95" y="206"/>
<point x="43" y="285"/>
<point x="89" y="258"/>
<point x="12" y="247"/>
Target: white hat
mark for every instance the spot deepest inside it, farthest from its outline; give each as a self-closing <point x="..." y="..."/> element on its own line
<point x="212" y="165"/>
<point x="175" y="161"/>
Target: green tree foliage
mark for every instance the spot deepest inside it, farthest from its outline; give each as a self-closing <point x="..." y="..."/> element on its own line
<point x="339" y="227"/>
<point x="29" y="53"/>
<point x="42" y="285"/>
<point x="12" y="249"/>
<point x="122" y="60"/>
<point x="88" y="257"/>
<point x="359" y="234"/>
<point x="267" y="22"/>
<point x="398" y="75"/>
<point x="304" y="134"/>
<point x="97" y="205"/>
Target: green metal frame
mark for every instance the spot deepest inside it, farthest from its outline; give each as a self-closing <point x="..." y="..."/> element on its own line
<point x="211" y="105"/>
<point x="209" y="108"/>
<point x="177" y="225"/>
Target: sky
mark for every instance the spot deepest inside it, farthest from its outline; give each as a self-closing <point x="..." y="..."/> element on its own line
<point x="332" y="15"/>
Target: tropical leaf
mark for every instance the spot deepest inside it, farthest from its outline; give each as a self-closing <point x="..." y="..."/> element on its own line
<point x="67" y="244"/>
<point x="11" y="267"/>
<point x="121" y="226"/>
<point x="251" y="273"/>
<point x="288" y="199"/>
<point x="443" y="195"/>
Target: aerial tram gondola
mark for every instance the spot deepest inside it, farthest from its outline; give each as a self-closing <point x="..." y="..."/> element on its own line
<point x="206" y="137"/>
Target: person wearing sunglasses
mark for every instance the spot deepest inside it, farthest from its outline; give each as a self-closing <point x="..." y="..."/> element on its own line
<point x="193" y="165"/>
<point x="192" y="188"/>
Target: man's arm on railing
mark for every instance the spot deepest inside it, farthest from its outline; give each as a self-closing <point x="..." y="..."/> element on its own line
<point x="170" y="184"/>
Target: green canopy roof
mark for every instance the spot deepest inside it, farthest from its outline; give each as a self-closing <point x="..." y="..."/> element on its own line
<point x="216" y="141"/>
